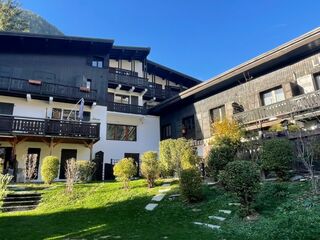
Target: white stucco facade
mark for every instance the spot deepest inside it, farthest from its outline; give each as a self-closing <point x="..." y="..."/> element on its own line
<point x="148" y="135"/>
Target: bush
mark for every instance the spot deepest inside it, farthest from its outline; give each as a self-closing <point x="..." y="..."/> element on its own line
<point x="49" y="169"/>
<point x="277" y="155"/>
<point x="175" y="155"/>
<point x="85" y="170"/>
<point x="124" y="170"/>
<point x="241" y="178"/>
<point x="150" y="167"/>
<point x="227" y="129"/>
<point x="223" y="152"/>
<point x="4" y="181"/>
<point x="71" y="174"/>
<point x="276" y="128"/>
<point x="191" y="185"/>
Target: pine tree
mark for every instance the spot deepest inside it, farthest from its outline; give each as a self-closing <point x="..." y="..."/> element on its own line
<point x="10" y="17"/>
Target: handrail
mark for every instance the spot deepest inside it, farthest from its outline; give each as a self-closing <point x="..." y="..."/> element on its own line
<point x="290" y="106"/>
<point x="13" y="84"/>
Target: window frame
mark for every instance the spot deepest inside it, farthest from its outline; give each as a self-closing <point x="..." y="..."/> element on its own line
<point x="222" y="113"/>
<point x="126" y="128"/>
<point x="97" y="62"/>
<point x="166" y="131"/>
<point x="273" y="96"/>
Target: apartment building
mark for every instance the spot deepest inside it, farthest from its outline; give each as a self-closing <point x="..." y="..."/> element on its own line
<point x="75" y="97"/>
<point x="279" y="86"/>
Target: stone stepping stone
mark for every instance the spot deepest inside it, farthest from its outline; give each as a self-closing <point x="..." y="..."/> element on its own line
<point x="165" y="185"/>
<point x="164" y="190"/>
<point x="208" y="225"/>
<point x="151" y="206"/>
<point x="217" y="218"/>
<point x="234" y="204"/>
<point x="158" y="197"/>
<point x="174" y="196"/>
<point x="225" y="211"/>
<point x="196" y="210"/>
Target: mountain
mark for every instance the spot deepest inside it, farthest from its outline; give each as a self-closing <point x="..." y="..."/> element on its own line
<point x="39" y="25"/>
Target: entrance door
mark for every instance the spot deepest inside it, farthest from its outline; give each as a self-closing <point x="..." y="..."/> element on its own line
<point x="5" y="159"/>
<point x="66" y="154"/>
<point x="36" y="153"/>
<point x="135" y="157"/>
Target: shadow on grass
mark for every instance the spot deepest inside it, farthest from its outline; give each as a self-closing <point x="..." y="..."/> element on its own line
<point x="112" y="220"/>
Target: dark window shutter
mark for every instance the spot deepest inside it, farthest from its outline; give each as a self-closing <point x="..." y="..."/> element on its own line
<point x="86" y="116"/>
<point x="110" y="97"/>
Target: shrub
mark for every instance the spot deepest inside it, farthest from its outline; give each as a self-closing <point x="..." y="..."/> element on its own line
<point x="124" y="170"/>
<point x="176" y="154"/>
<point x="49" y="169"/>
<point x="223" y="152"/>
<point x="85" y="170"/>
<point x="276" y="128"/>
<point x="191" y="185"/>
<point x="277" y="155"/>
<point x="241" y="178"/>
<point x="293" y="128"/>
<point x="4" y="181"/>
<point x="150" y="167"/>
<point x="71" y="174"/>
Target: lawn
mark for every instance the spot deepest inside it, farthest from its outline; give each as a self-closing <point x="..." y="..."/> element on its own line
<point x="105" y="211"/>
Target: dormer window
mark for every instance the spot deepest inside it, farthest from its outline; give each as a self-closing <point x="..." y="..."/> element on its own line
<point x="97" y="62"/>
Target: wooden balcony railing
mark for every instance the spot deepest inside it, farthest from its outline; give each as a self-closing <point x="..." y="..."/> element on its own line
<point x="127" y="79"/>
<point x="48" y="127"/>
<point x="291" y="107"/>
<point x="42" y="88"/>
<point x="126" y="108"/>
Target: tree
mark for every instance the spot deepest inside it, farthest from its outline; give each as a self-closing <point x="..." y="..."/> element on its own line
<point x="31" y="161"/>
<point x="10" y="17"/>
<point x="4" y="181"/>
<point x="71" y="174"/>
<point x="226" y="129"/>
<point x="150" y="168"/>
<point x="308" y="150"/>
<point x="222" y="152"/>
<point x="277" y="155"/>
<point x="124" y="170"/>
<point x="241" y="178"/>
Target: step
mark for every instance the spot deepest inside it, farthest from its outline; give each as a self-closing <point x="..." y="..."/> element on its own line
<point x="212" y="226"/>
<point x="20" y="203"/>
<point x="14" y="199"/>
<point x="217" y="218"/>
<point x="22" y="195"/>
<point x="18" y="208"/>
<point x="151" y="206"/>
<point x="225" y="211"/>
<point x="158" y="197"/>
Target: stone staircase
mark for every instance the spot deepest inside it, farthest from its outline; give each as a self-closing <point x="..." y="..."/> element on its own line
<point x="20" y="200"/>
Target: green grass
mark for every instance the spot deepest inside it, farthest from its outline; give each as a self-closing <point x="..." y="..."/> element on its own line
<point x="97" y="210"/>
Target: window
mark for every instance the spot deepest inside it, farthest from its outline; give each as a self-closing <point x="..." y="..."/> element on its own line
<point x="217" y="114"/>
<point x="121" y="132"/>
<point x="272" y="96"/>
<point x="97" y="62"/>
<point x="6" y="108"/>
<point x="166" y="131"/>
<point x="317" y="78"/>
<point x="188" y="127"/>
<point x="121" y="99"/>
<point x="66" y="114"/>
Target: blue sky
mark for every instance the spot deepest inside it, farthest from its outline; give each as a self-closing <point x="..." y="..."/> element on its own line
<point x="201" y="38"/>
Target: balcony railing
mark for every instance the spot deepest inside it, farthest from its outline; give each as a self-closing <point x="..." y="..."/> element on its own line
<point x="41" y="88"/>
<point x="126" y="108"/>
<point x="14" y="125"/>
<point x="127" y="78"/>
<point x="291" y="107"/>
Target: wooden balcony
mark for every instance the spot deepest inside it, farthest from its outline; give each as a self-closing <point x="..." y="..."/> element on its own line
<point x="16" y="126"/>
<point x="39" y="89"/>
<point x="126" y="108"/>
<point x="127" y="78"/>
<point x="302" y="104"/>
